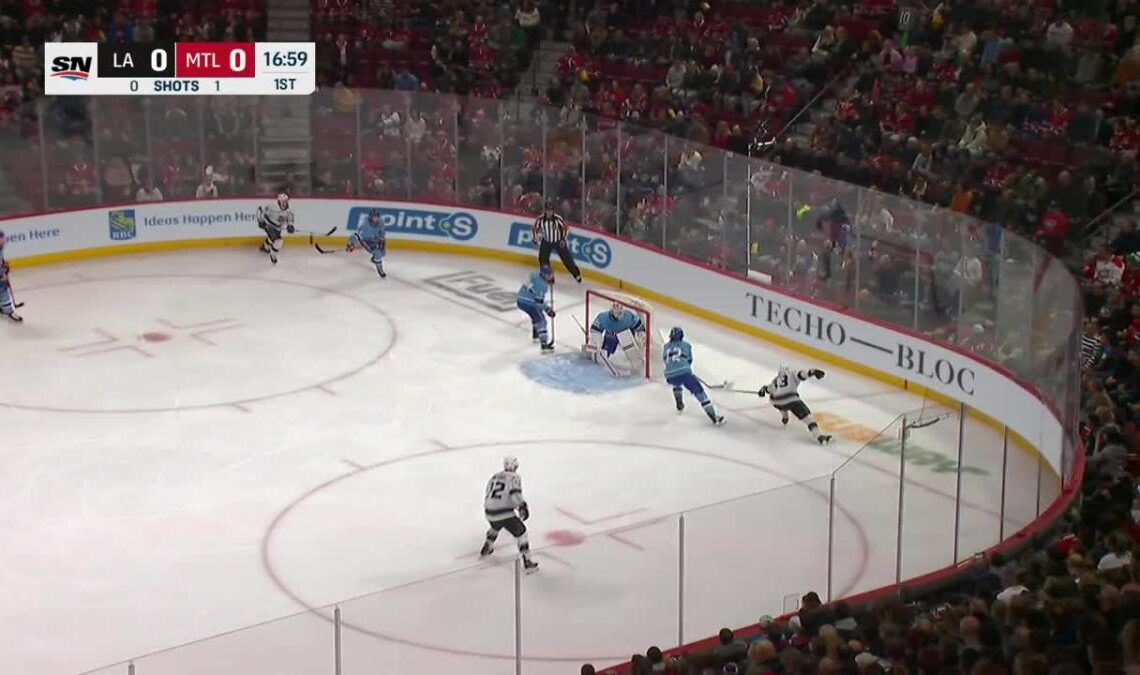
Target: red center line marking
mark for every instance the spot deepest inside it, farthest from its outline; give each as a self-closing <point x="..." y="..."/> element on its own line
<point x="188" y="326"/>
<point x="107" y="339"/>
<point x="615" y="535"/>
<point x="583" y="521"/>
<point x="108" y="350"/>
<point x="200" y="335"/>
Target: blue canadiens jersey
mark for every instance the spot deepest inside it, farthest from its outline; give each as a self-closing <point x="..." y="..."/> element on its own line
<point x="607" y="323"/>
<point x="678" y="358"/>
<point x="533" y="291"/>
<point x="371" y="232"/>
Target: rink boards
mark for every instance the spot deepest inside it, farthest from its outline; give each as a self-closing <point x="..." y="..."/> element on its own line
<point x="866" y="346"/>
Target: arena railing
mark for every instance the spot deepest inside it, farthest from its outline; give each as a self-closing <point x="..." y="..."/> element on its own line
<point x="936" y="273"/>
<point x="917" y="496"/>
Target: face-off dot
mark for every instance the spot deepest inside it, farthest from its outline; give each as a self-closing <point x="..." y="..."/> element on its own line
<point x="565" y="537"/>
<point x="154" y="337"/>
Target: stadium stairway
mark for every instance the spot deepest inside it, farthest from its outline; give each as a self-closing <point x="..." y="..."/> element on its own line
<point x="285" y="143"/>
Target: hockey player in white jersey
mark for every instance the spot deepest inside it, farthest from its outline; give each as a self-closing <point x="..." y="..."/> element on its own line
<point x="784" y="391"/>
<point x="613" y="328"/>
<point x="273" y="219"/>
<point x="505" y="508"/>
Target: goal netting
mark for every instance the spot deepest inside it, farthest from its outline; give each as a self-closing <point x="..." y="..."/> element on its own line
<point x="601" y="301"/>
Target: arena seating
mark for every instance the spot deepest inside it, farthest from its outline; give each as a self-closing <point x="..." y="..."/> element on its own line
<point x="48" y="157"/>
<point x="1020" y="114"/>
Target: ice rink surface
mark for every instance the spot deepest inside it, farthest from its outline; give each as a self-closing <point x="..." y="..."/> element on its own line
<point x="196" y="442"/>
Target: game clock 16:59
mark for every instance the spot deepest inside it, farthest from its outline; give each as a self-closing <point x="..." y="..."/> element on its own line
<point x="285" y="59"/>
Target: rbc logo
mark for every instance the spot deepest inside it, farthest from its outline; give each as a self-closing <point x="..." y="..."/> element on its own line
<point x="71" y="67"/>
<point x="122" y="224"/>
<point x="460" y="226"/>
<point x="589" y="250"/>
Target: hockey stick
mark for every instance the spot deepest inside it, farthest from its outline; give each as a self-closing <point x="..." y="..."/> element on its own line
<point x="726" y="385"/>
<point x="552" y="310"/>
<point x="323" y="251"/>
<point x="315" y="234"/>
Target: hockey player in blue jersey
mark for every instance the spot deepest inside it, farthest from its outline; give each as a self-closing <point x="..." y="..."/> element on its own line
<point x="532" y="300"/>
<point x="371" y="238"/>
<point x="7" y="304"/>
<point x="678" y="357"/>
<point x="611" y="329"/>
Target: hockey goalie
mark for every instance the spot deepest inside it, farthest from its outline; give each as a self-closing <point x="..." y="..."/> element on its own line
<point x="617" y="329"/>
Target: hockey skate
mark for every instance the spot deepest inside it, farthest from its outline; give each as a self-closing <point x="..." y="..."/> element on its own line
<point x="529" y="565"/>
<point x="719" y="421"/>
<point x="547" y="347"/>
<point x="784" y="421"/>
<point x="381" y="272"/>
<point x="680" y="405"/>
<point x="824" y="439"/>
<point x="486" y="550"/>
<point x="14" y="317"/>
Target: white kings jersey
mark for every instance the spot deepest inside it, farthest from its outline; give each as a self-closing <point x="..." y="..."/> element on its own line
<point x="785" y="387"/>
<point x="503" y="496"/>
<point x="275" y="216"/>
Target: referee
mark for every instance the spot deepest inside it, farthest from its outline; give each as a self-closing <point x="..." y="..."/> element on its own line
<point x="549" y="232"/>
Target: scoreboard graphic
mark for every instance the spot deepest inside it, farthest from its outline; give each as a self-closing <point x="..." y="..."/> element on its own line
<point x="183" y="68"/>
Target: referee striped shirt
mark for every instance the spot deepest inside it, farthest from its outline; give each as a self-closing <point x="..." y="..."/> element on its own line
<point x="549" y="228"/>
<point x="1090" y="349"/>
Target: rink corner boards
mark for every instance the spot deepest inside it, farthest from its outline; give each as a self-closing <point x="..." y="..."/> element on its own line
<point x="592" y="274"/>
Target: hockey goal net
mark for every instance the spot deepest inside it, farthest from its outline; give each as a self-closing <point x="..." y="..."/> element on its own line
<point x="601" y="301"/>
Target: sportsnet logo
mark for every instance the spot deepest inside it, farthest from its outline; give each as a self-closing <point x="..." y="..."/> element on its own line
<point x="122" y="224"/>
<point x="589" y="250"/>
<point x="72" y="68"/>
<point x="460" y="225"/>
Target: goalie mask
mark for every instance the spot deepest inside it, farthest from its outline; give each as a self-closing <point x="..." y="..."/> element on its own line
<point x="617" y="310"/>
<point x="283" y="201"/>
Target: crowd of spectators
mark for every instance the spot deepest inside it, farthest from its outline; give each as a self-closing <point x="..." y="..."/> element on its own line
<point x="464" y="47"/>
<point x="64" y="152"/>
<point x="1013" y="118"/>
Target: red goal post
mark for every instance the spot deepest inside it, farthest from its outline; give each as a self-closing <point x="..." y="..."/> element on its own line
<point x="601" y="301"/>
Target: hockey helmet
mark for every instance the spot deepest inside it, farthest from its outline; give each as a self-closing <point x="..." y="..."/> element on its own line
<point x="616" y="309"/>
<point x="676" y="334"/>
<point x="283" y="200"/>
<point x="374" y="216"/>
<point x="546" y="272"/>
<point x="510" y="463"/>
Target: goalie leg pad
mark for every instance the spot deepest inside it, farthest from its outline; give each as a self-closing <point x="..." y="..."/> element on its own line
<point x="603" y="359"/>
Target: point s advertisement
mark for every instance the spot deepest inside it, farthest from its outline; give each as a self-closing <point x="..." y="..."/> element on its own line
<point x="457" y="225"/>
<point x="593" y="251"/>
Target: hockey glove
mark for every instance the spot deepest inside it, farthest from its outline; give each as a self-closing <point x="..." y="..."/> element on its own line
<point x="817" y="373"/>
<point x="524" y="511"/>
<point x="290" y="228"/>
<point x="763" y="391"/>
<point x="550" y="312"/>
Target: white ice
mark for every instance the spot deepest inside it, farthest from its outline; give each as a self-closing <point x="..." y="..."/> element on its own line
<point x="197" y="442"/>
